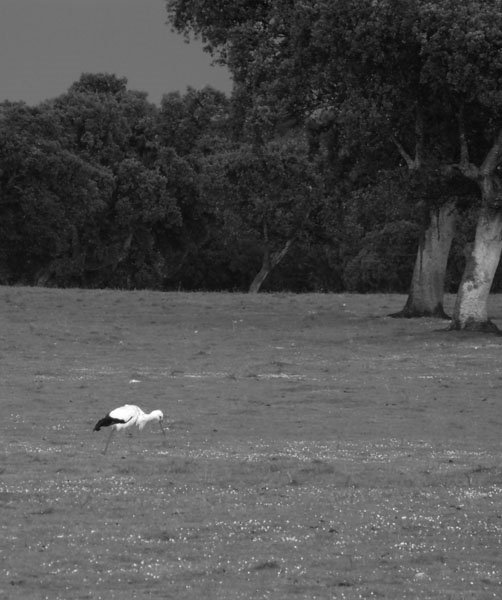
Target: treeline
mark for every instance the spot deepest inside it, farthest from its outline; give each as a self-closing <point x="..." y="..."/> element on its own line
<point x="101" y="188"/>
<point x="401" y="96"/>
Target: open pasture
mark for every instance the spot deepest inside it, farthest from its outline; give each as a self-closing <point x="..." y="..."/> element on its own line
<point x="316" y="449"/>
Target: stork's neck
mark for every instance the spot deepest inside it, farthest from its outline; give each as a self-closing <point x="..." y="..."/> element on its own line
<point x="144" y="418"/>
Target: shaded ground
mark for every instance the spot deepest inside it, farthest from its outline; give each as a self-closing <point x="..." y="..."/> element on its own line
<point x="316" y="449"/>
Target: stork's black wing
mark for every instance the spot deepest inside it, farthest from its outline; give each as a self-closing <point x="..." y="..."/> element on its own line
<point x="106" y="422"/>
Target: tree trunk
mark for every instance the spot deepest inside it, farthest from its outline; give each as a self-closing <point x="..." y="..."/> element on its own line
<point x="263" y="273"/>
<point x="270" y="261"/>
<point x="471" y="307"/>
<point x="425" y="298"/>
<point x="427" y="285"/>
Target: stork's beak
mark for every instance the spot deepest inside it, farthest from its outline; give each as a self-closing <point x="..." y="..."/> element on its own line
<point x="162" y="428"/>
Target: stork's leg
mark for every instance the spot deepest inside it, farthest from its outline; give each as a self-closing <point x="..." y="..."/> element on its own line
<point x="108" y="440"/>
<point x="164" y="441"/>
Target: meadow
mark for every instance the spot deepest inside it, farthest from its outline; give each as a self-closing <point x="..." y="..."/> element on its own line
<point x="316" y="449"/>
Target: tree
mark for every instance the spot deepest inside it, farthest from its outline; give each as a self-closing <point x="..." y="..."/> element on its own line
<point x="462" y="44"/>
<point x="141" y="213"/>
<point x="353" y="63"/>
<point x="365" y="66"/>
<point x="264" y="194"/>
<point x="380" y="232"/>
<point x="47" y="195"/>
<point x="191" y="126"/>
<point x="409" y="72"/>
<point x="116" y="128"/>
<point x="100" y="83"/>
<point x="195" y="123"/>
<point x="104" y="122"/>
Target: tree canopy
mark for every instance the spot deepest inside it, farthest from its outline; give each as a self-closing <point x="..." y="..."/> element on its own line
<point x="351" y="123"/>
<point x="414" y="81"/>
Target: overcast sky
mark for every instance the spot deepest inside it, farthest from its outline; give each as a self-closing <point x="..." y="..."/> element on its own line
<point x="45" y="45"/>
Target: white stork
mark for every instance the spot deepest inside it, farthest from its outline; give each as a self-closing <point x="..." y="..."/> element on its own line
<point x="127" y="416"/>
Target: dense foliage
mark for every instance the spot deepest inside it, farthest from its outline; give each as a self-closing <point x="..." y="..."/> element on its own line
<point x="319" y="173"/>
<point x="100" y="188"/>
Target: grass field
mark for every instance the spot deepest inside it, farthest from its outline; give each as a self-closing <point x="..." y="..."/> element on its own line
<point x="316" y="449"/>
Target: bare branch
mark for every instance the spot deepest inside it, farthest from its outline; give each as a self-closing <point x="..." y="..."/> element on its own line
<point x="278" y="256"/>
<point x="464" y="149"/>
<point x="411" y="163"/>
<point x="416" y="162"/>
<point x="469" y="170"/>
<point x="493" y="157"/>
<point x="464" y="165"/>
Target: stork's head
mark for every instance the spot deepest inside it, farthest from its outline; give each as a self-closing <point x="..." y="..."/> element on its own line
<point x="157" y="415"/>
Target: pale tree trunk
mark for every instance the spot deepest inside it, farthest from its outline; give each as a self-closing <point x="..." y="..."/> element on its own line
<point x="425" y="298"/>
<point x="270" y="261"/>
<point x="426" y="294"/>
<point x="471" y="307"/>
